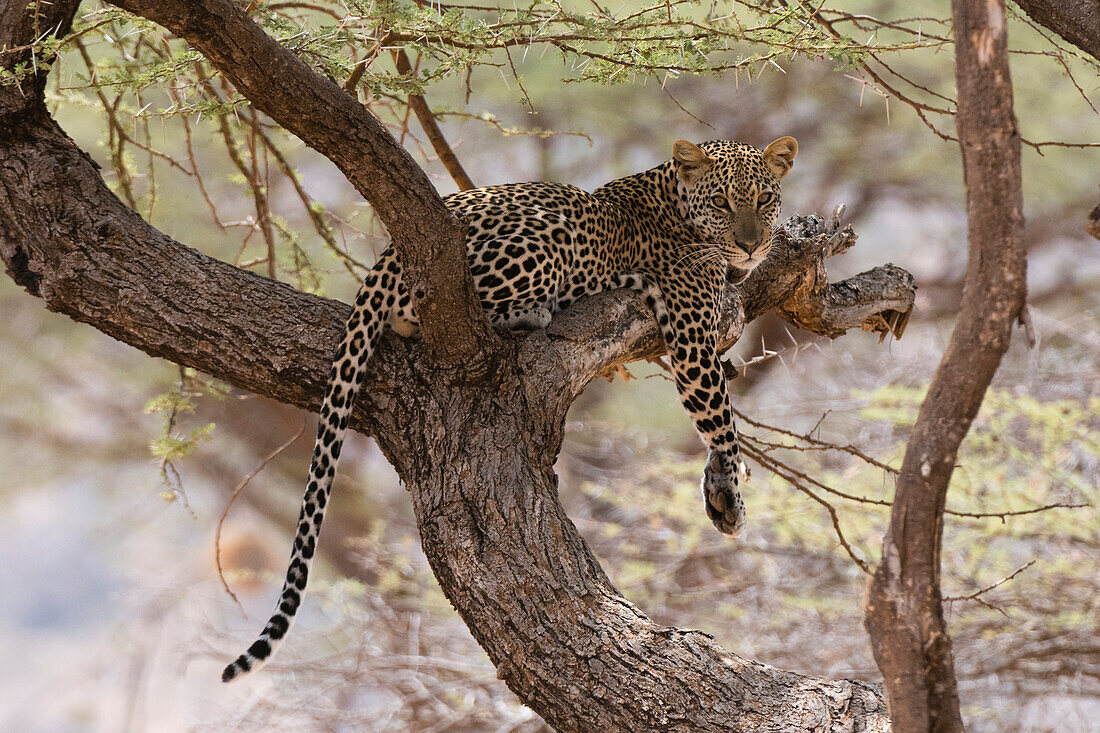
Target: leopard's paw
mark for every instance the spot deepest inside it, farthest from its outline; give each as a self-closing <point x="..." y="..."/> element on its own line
<point x="531" y="318"/>
<point x="723" y="502"/>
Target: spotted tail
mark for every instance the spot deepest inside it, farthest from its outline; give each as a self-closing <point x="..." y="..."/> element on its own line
<point x="372" y="309"/>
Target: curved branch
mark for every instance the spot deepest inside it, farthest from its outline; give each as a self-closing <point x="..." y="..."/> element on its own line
<point x="67" y="239"/>
<point x="430" y="240"/>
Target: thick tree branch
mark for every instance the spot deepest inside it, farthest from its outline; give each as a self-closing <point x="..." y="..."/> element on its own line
<point x="1077" y="21"/>
<point x="904" y="613"/>
<point x="430" y="240"/>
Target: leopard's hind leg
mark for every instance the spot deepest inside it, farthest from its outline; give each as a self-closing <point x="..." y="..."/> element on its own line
<point x="522" y="316"/>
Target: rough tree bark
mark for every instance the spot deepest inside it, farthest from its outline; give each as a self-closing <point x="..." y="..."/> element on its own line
<point x="475" y="442"/>
<point x="1076" y="21"/>
<point x="904" y="612"/>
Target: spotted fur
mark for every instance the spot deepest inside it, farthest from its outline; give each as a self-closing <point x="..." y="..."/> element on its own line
<point x="534" y="248"/>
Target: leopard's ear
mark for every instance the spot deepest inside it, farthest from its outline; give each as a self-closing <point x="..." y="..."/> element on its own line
<point x="690" y="161"/>
<point x="779" y="155"/>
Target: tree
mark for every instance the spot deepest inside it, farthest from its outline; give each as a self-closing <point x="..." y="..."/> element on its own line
<point x="904" y="612"/>
<point x="904" y="605"/>
<point x="485" y="515"/>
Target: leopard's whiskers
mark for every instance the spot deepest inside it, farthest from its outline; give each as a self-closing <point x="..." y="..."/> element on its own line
<point x="717" y="258"/>
<point x="703" y="250"/>
<point x="710" y="256"/>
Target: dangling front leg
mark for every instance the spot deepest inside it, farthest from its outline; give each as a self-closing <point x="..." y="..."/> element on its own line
<point x="686" y="305"/>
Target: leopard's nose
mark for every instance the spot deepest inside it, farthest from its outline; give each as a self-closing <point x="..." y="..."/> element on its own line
<point x="746" y="247"/>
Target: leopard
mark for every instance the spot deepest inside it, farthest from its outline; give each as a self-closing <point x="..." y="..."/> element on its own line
<point x="679" y="233"/>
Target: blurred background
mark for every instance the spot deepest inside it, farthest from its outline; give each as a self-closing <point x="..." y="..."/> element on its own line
<point x="115" y="469"/>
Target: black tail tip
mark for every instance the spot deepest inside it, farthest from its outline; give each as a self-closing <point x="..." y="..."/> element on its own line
<point x="234" y="670"/>
<point x="256" y="654"/>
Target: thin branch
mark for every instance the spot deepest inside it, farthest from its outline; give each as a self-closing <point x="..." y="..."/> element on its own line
<point x="1022" y="512"/>
<point x="312" y="208"/>
<point x="826" y="445"/>
<point x="116" y="128"/>
<point x="792" y="477"/>
<point x="233" y="497"/>
<point x="431" y="128"/>
<point x="258" y="184"/>
<point x="976" y="595"/>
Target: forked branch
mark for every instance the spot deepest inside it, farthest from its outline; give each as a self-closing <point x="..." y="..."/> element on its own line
<point x="430" y="239"/>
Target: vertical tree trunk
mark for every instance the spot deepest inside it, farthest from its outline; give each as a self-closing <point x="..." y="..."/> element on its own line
<point x="904" y="613"/>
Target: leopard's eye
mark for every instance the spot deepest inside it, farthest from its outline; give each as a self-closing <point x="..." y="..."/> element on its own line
<point x="765" y="198"/>
<point x="720" y="202"/>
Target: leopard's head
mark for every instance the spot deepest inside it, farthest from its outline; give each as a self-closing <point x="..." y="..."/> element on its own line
<point x="729" y="193"/>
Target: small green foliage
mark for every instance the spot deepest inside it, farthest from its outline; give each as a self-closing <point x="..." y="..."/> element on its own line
<point x="172" y="402"/>
<point x="635" y="42"/>
<point x="172" y="448"/>
<point x="171" y="445"/>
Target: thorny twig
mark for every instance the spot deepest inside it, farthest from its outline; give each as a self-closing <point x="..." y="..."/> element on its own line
<point x="922" y="109"/>
<point x="792" y="477"/>
<point x="168" y="473"/>
<point x="816" y="444"/>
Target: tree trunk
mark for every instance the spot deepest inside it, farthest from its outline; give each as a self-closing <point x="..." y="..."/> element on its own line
<point x="904" y="612"/>
<point x="474" y="442"/>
